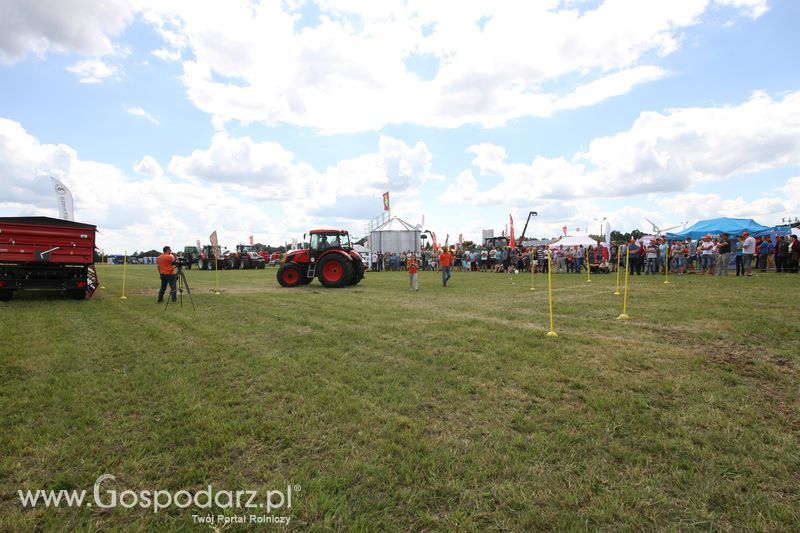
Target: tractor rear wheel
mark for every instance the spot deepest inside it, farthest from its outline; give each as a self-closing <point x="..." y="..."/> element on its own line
<point x="201" y="264"/>
<point x="290" y="275"/>
<point x="334" y="271"/>
<point x="358" y="272"/>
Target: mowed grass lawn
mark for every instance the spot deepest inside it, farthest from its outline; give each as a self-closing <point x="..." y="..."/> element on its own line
<point x="446" y="409"/>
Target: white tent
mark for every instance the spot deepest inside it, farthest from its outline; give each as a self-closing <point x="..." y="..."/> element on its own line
<point x="796" y="231"/>
<point x="574" y="240"/>
<point x="395" y="236"/>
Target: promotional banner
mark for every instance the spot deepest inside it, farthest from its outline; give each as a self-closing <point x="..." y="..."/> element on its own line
<point x="251" y="240"/>
<point x="564" y="229"/>
<point x="64" y="200"/>
<point x="608" y="235"/>
<point x="435" y="246"/>
<point x="386" y="201"/>
<point x="199" y="248"/>
<point x="512" y="242"/>
<point x="214" y="243"/>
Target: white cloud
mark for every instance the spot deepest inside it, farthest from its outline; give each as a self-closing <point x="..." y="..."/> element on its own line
<point x="349" y="190"/>
<point x="661" y="152"/>
<point x="93" y="71"/>
<point x="148" y="166"/>
<point x="751" y="8"/>
<point x="348" y="71"/>
<point x="167" y="55"/>
<point x="66" y="25"/>
<point x="139" y="112"/>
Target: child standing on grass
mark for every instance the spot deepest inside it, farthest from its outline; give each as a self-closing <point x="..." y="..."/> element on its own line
<point x="413" y="272"/>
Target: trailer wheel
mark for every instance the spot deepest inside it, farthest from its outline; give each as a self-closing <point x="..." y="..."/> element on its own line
<point x="77" y="294"/>
<point x="6" y="295"/>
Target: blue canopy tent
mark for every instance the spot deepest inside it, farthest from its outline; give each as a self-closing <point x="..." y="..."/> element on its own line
<point x="716" y="226"/>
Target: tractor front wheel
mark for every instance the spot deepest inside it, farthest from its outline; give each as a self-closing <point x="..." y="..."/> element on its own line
<point x="334" y="271"/>
<point x="290" y="275"/>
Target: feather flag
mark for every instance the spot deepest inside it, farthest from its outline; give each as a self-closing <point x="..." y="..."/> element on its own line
<point x="386" y="201"/>
<point x="512" y="242"/>
<point x="66" y="209"/>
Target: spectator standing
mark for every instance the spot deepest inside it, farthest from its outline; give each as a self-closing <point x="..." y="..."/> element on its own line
<point x="724" y="247"/>
<point x="413" y="272"/>
<point x="748" y="249"/>
<point x="445" y="261"/>
<point x="739" y="256"/>
<point x="763" y="253"/>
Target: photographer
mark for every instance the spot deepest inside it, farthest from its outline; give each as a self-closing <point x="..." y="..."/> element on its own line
<point x="166" y="268"/>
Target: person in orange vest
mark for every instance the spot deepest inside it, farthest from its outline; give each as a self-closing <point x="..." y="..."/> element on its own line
<point x="445" y="261"/>
<point x="166" y="270"/>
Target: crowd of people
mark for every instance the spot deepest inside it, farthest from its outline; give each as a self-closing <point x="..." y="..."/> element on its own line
<point x="707" y="256"/>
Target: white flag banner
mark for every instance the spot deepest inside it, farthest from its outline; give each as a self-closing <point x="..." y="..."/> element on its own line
<point x="66" y="210"/>
<point x="608" y="236"/>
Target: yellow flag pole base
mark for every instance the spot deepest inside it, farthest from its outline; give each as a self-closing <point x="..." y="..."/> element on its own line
<point x="617" y="293"/>
<point x="123" y="297"/>
<point x="217" y="292"/>
<point x="588" y="281"/>
<point x="623" y="316"/>
<point x="533" y="289"/>
<point x="666" y="283"/>
<point x="552" y="334"/>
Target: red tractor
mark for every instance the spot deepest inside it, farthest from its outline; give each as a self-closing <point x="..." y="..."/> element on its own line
<point x="329" y="257"/>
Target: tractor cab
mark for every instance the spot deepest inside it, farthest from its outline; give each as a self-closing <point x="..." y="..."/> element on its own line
<point x="322" y="240"/>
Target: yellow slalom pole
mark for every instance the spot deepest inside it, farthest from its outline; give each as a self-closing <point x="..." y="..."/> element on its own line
<point x="588" y="268"/>
<point x="533" y="269"/>
<point x="216" y="273"/>
<point x="552" y="332"/>
<point x="619" y="256"/>
<point x="124" y="274"/>
<point x="624" y="315"/>
<point x="666" y="266"/>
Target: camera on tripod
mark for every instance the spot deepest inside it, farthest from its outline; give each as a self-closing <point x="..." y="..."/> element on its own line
<point x="180" y="262"/>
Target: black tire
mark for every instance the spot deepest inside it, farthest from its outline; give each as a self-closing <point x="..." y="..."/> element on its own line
<point x="201" y="264"/>
<point x="358" y="272"/>
<point x="291" y="275"/>
<point x="261" y="265"/>
<point x="334" y="271"/>
<point x="6" y="295"/>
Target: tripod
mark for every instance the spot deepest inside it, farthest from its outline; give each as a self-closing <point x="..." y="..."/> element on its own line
<point x="181" y="284"/>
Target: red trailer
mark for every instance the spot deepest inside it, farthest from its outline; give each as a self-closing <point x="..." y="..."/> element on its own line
<point x="43" y="253"/>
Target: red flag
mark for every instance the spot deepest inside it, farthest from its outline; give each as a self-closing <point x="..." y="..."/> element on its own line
<point x="564" y="229"/>
<point x="251" y="240"/>
<point x="386" y="201"/>
<point x="435" y="246"/>
<point x="512" y="243"/>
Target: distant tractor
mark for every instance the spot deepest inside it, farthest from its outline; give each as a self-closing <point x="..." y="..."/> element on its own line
<point x="190" y="255"/>
<point x="329" y="257"/>
<point x="207" y="261"/>
<point x="246" y="257"/>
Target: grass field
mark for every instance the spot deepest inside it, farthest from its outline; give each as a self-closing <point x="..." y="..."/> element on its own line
<point x="446" y="409"/>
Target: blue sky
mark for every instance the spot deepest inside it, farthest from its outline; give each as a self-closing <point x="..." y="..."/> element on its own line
<point x="171" y="119"/>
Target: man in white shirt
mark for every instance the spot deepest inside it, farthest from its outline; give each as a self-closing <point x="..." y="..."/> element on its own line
<point x="706" y="251"/>
<point x="748" y="249"/>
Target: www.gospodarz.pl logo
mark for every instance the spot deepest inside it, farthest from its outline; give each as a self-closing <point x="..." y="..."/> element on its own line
<point x="156" y="500"/>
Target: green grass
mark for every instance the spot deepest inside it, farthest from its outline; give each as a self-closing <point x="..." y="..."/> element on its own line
<point x="446" y="409"/>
